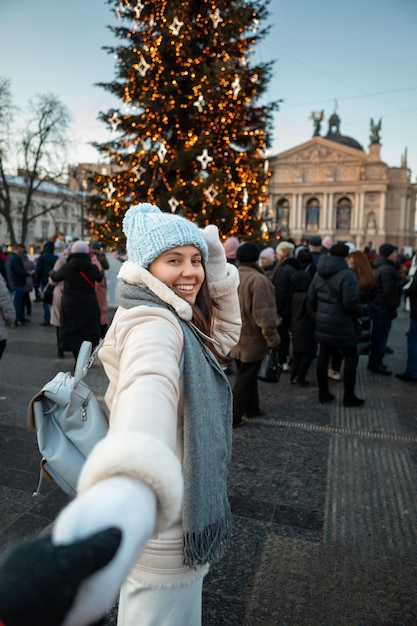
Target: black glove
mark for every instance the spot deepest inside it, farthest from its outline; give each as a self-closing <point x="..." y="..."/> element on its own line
<point x="39" y="580"/>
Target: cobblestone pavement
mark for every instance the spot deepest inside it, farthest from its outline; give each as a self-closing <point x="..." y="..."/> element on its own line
<point x="323" y="497"/>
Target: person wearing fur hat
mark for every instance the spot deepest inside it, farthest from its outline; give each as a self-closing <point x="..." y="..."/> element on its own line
<point x="268" y="260"/>
<point x="160" y="474"/>
<point x="231" y="245"/>
<point x="384" y="306"/>
<point x="333" y="298"/>
<point x="80" y="313"/>
<point x="259" y="332"/>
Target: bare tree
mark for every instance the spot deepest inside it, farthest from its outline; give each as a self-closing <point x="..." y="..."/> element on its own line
<point x="38" y="150"/>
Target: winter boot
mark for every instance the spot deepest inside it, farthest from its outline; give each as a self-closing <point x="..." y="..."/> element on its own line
<point x="324" y="393"/>
<point x="349" y="398"/>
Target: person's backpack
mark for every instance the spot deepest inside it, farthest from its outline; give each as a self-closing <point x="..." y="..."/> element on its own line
<point x="68" y="421"/>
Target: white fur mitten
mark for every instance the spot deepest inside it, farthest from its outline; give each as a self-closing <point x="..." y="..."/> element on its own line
<point x="118" y="502"/>
<point x="216" y="266"/>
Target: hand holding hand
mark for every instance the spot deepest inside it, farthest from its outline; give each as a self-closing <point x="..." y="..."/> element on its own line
<point x="116" y="502"/>
<point x="216" y="266"/>
<point x="39" y="581"/>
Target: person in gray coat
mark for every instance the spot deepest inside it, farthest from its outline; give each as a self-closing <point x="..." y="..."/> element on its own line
<point x="333" y="298"/>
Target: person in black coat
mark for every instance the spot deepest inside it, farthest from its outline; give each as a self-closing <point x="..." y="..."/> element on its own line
<point x="80" y="313"/>
<point x="384" y="306"/>
<point x="281" y="277"/>
<point x="16" y="280"/>
<point x="302" y="323"/>
<point x="44" y="265"/>
<point x="333" y="298"/>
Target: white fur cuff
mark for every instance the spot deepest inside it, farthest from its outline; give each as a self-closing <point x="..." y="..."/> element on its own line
<point x="225" y="286"/>
<point x="143" y="458"/>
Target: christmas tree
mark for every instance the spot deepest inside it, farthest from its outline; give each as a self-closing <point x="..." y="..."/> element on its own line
<point x="190" y="134"/>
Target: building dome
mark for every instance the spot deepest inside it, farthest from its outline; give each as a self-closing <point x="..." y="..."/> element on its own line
<point x="335" y="135"/>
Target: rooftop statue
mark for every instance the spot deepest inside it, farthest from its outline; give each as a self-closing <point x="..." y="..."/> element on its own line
<point x="317" y="117"/>
<point x="375" y="136"/>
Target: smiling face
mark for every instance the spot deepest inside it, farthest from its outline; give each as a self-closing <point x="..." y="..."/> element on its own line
<point x="181" y="269"/>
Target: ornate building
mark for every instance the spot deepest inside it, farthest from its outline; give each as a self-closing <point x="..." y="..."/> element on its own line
<point x="331" y="186"/>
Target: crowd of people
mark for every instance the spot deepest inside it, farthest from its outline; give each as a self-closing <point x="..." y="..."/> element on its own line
<point x="332" y="302"/>
<point x="189" y="307"/>
<point x="68" y="280"/>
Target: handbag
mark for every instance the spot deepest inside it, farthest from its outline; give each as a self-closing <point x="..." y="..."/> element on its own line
<point x="270" y="370"/>
<point x="68" y="421"/>
<point x="48" y="294"/>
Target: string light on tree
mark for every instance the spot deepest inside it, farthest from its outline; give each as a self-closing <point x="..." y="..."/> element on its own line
<point x="190" y="129"/>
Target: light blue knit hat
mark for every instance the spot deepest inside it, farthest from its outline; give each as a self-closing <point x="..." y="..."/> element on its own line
<point x="149" y="232"/>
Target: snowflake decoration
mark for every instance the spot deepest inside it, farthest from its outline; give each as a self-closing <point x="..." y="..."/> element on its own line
<point x="138" y="9"/>
<point x="254" y="78"/>
<point x="255" y="25"/>
<point x="236" y="86"/>
<point x="199" y="103"/>
<point x="110" y="189"/>
<point x="173" y="203"/>
<point x="211" y="193"/>
<point x="114" y="120"/>
<point x="176" y="26"/>
<point x="162" y="152"/>
<point x="215" y="18"/>
<point x="142" y="66"/>
<point x="204" y="159"/>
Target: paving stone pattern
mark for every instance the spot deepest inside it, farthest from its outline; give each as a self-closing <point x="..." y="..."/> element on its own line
<point x="323" y="497"/>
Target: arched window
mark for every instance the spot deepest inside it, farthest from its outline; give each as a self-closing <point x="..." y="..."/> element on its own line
<point x="312" y="215"/>
<point x="282" y="213"/>
<point x="343" y="214"/>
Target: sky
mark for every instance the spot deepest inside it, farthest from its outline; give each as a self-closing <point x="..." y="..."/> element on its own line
<point x="357" y="58"/>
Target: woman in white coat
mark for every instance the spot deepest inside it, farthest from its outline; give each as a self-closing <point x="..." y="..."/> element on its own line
<point x="160" y="474"/>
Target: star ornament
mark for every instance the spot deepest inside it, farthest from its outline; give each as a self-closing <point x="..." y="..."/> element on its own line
<point x="142" y="67"/>
<point x="215" y="18"/>
<point x="110" y="189"/>
<point x="139" y="6"/>
<point x="162" y="152"/>
<point x="114" y="120"/>
<point x="211" y="193"/>
<point x="236" y="86"/>
<point x="173" y="203"/>
<point x="138" y="171"/>
<point x="199" y="103"/>
<point x="176" y="26"/>
<point x="204" y="158"/>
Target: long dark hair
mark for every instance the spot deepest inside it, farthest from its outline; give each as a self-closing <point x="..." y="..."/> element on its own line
<point x="203" y="314"/>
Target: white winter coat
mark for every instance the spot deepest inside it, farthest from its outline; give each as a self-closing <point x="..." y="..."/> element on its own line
<point x="145" y="403"/>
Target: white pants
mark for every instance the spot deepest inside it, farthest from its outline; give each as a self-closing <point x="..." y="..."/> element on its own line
<point x="144" y="605"/>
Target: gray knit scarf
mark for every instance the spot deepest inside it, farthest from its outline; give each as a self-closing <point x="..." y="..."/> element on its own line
<point x="207" y="439"/>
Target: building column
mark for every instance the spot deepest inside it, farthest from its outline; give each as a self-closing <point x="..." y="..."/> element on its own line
<point x="293" y="212"/>
<point x="300" y="224"/>
<point x="330" y="212"/>
<point x="324" y="221"/>
<point x="382" y="212"/>
<point x="361" y="211"/>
